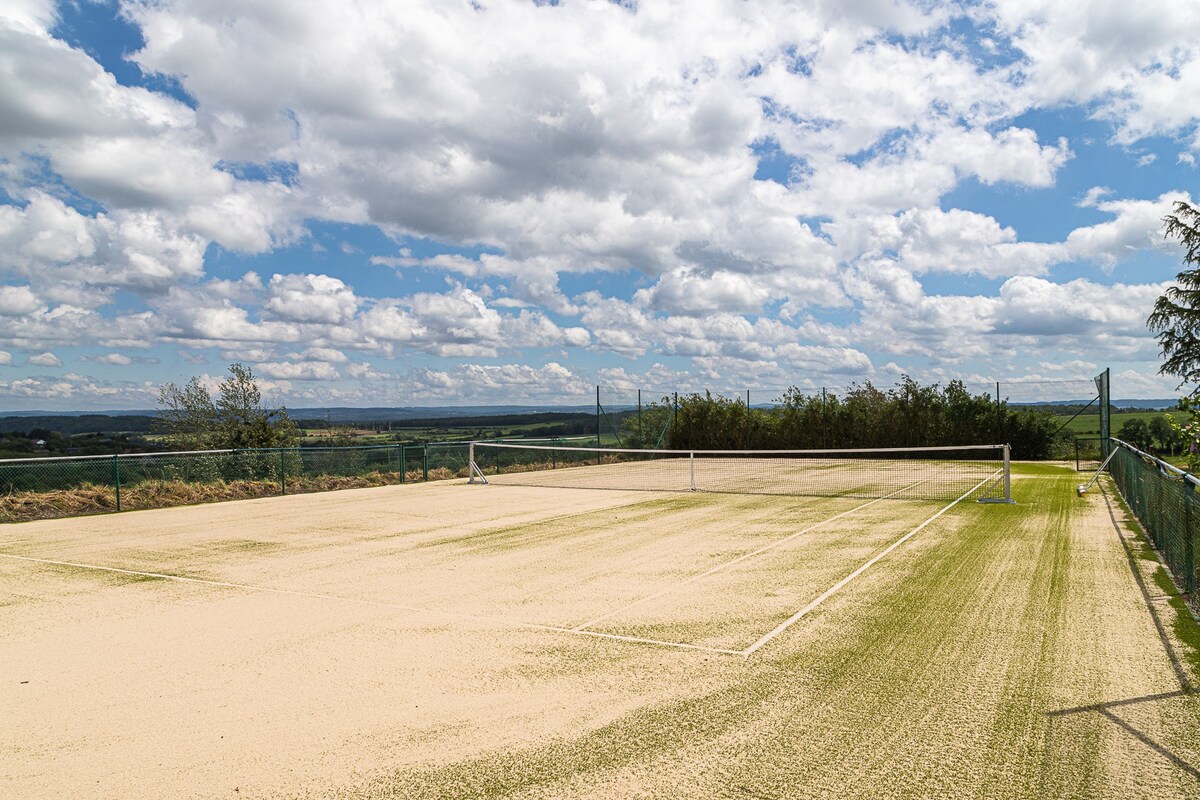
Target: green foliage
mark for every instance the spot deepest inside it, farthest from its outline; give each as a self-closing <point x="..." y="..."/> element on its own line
<point x="1163" y="433"/>
<point x="1137" y="433"/>
<point x="1187" y="432"/>
<point x="650" y="430"/>
<point x="1176" y="316"/>
<point x="193" y="420"/>
<point x="910" y="415"/>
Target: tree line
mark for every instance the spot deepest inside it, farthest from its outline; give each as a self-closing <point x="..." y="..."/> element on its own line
<point x="908" y="415"/>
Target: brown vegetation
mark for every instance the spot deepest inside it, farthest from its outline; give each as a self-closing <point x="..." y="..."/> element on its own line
<point x="97" y="499"/>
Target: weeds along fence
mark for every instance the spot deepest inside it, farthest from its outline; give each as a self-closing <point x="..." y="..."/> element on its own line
<point x="34" y="488"/>
<point x="1165" y="500"/>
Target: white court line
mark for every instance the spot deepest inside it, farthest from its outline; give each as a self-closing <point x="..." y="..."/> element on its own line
<point x="743" y="557"/>
<point x="787" y="623"/>
<point x="378" y="603"/>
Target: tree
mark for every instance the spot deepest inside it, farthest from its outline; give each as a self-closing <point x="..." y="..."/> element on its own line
<point x="1176" y="323"/>
<point x="1136" y="432"/>
<point x="235" y="420"/>
<point x="1175" y="320"/>
<point x="1162" y="433"/>
<point x="187" y="415"/>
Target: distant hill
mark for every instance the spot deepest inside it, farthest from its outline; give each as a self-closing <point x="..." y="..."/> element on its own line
<point x="71" y="425"/>
<point x="417" y="414"/>
<point x="486" y="420"/>
<point x="1070" y="406"/>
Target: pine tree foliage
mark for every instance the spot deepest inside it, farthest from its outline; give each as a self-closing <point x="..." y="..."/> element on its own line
<point x="1176" y="317"/>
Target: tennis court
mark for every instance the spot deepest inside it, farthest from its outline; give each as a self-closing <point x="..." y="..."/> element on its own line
<point x="455" y="640"/>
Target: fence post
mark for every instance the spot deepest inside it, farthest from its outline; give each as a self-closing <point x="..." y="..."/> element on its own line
<point x="282" y="472"/>
<point x="675" y="421"/>
<point x="117" y="478"/>
<point x="641" y="435"/>
<point x="425" y="463"/>
<point x="749" y="422"/>
<point x="998" y="411"/>
<point x="1189" y="542"/>
<point x="403" y="464"/>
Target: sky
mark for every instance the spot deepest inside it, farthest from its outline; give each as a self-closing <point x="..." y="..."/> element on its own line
<point x="445" y="202"/>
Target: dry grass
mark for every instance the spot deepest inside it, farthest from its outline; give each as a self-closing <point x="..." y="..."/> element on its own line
<point x="97" y="499"/>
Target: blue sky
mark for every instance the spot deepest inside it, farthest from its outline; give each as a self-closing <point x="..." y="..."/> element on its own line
<point x="510" y="202"/>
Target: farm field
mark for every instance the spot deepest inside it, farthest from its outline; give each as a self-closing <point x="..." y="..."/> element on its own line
<point x="1089" y="424"/>
<point x="365" y="436"/>
<point x="446" y="640"/>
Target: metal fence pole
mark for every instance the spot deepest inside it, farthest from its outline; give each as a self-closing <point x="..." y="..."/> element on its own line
<point x="824" y="420"/>
<point x="117" y="478"/>
<point x="997" y="411"/>
<point x="641" y="435"/>
<point x="403" y="464"/>
<point x="749" y="422"/>
<point x="675" y="420"/>
<point x="1189" y="541"/>
<point x="425" y="464"/>
<point x="282" y="472"/>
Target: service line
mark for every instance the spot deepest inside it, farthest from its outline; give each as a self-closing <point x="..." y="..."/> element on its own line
<point x="727" y="564"/>
<point x="832" y="590"/>
<point x="251" y="587"/>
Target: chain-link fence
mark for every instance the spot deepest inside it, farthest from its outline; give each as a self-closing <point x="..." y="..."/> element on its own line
<point x="37" y="488"/>
<point x="1165" y="501"/>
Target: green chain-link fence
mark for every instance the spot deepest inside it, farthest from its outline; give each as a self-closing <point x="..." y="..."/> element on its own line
<point x="1165" y="501"/>
<point x="35" y="488"/>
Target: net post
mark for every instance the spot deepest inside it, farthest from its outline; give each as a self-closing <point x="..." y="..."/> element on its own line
<point x="1007" y="474"/>
<point x="1006" y="479"/>
<point x="476" y="474"/>
<point x="692" y="470"/>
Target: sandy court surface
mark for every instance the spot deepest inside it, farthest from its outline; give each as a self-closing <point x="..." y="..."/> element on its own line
<point x="504" y="554"/>
<point x="388" y="643"/>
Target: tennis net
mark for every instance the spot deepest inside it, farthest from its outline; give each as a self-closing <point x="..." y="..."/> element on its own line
<point x="927" y="473"/>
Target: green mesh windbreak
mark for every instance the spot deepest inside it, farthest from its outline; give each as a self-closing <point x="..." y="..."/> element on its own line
<point x="1103" y="389"/>
<point x="1166" y="503"/>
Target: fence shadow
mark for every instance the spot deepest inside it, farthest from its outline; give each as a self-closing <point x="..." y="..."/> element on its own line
<point x="1187" y="687"/>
